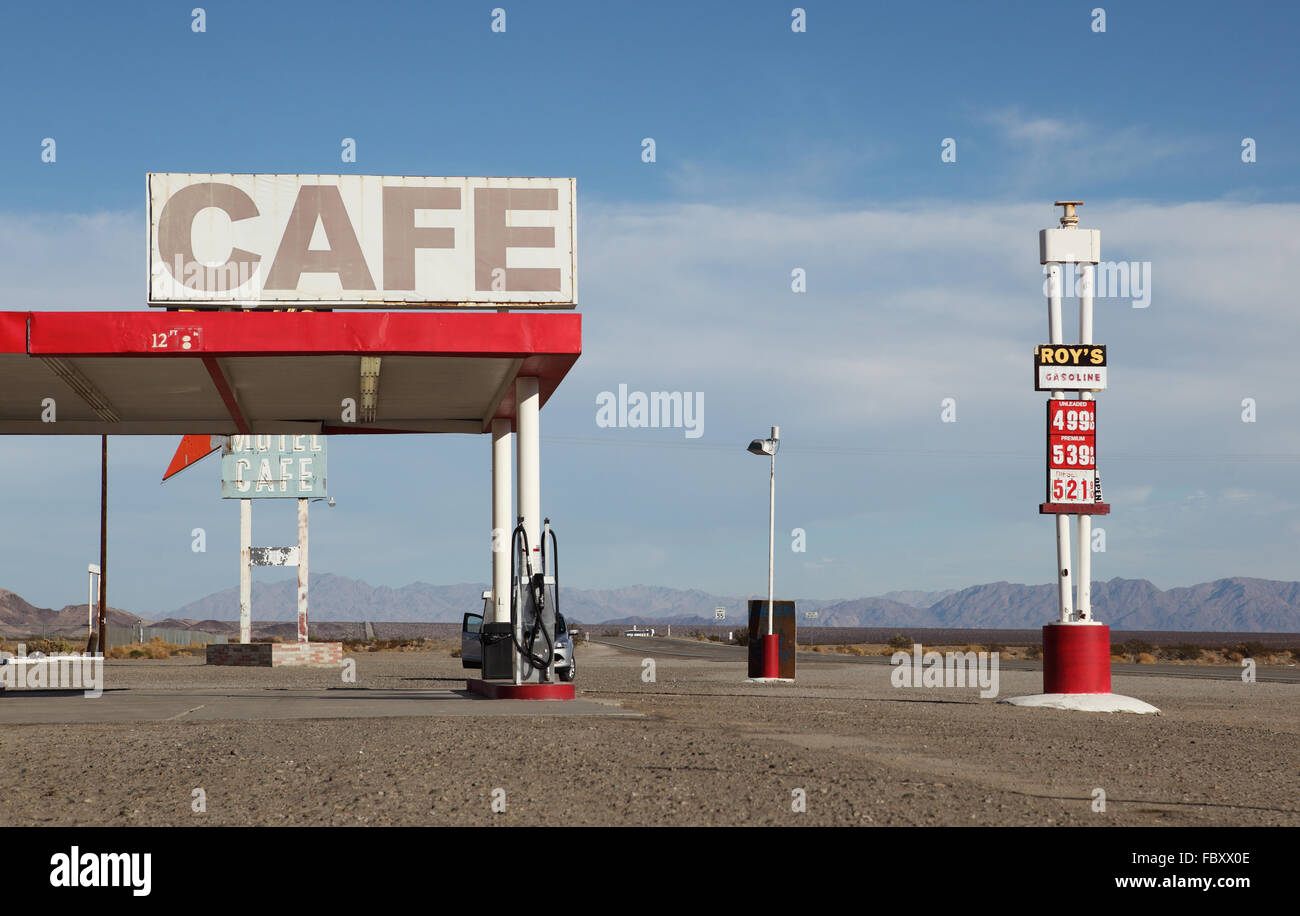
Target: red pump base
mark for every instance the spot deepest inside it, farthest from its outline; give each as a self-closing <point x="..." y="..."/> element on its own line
<point x="1076" y="658"/>
<point x="498" y="690"/>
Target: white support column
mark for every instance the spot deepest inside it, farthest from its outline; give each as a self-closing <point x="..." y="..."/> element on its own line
<point x="245" y="570"/>
<point x="527" y="444"/>
<point x="1065" y="598"/>
<point x="527" y="404"/>
<point x="502" y="521"/>
<point x="1087" y="273"/>
<point x="302" y="570"/>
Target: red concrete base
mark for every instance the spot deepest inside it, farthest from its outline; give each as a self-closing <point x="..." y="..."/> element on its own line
<point x="276" y="654"/>
<point x="772" y="656"/>
<point x="499" y="690"/>
<point x="1076" y="658"/>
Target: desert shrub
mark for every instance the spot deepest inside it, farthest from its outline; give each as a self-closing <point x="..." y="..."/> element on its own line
<point x="741" y="637"/>
<point x="1185" y="652"/>
<point x="355" y="645"/>
<point x="154" y="648"/>
<point x="900" y="641"/>
<point x="50" y="646"/>
<point x="1033" y="652"/>
<point x="1145" y="658"/>
<point x="1136" y="647"/>
<point x="995" y="647"/>
<point x="1251" y="649"/>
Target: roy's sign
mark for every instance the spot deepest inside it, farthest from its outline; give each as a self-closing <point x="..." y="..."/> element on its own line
<point x="361" y="241"/>
<point x="283" y="467"/>
<point x="1077" y="367"/>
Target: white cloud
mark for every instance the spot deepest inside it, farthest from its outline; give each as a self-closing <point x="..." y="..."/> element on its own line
<point x="1014" y="125"/>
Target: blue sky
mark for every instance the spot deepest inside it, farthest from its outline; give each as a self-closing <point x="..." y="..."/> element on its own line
<point x="775" y="150"/>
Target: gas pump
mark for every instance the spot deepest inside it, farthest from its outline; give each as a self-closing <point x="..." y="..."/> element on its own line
<point x="534" y="604"/>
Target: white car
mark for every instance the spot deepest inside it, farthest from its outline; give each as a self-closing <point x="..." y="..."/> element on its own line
<point x="566" y="666"/>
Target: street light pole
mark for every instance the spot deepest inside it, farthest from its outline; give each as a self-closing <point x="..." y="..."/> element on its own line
<point x="771" y="533"/>
<point x="770" y="653"/>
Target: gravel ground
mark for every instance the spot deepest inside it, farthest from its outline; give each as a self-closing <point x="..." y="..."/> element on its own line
<point x="709" y="750"/>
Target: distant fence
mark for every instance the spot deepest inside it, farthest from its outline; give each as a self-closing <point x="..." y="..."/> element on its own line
<point x="119" y="636"/>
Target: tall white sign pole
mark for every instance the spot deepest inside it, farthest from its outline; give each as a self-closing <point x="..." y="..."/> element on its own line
<point x="1087" y="273"/>
<point x="1055" y="335"/>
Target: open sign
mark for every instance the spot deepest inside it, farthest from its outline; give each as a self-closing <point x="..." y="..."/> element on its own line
<point x="361" y="241"/>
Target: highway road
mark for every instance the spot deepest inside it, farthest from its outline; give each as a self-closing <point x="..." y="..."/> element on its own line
<point x="691" y="648"/>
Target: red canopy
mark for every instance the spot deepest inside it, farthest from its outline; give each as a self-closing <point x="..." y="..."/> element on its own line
<point x="219" y="373"/>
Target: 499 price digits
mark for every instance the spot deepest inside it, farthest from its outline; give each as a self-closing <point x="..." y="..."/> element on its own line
<point x="1073" y="417"/>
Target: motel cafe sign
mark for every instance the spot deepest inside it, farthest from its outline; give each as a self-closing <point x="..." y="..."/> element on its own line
<point x="274" y="467"/>
<point x="361" y="241"/>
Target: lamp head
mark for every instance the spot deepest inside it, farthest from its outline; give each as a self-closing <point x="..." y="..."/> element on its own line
<point x="762" y="447"/>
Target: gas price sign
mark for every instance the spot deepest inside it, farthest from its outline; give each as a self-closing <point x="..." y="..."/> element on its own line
<point x="1071" y="451"/>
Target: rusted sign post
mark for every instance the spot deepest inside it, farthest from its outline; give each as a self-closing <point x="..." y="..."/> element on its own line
<point x="272" y="467"/>
<point x="776" y="620"/>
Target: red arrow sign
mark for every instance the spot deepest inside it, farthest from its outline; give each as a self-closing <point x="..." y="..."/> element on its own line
<point x="191" y="449"/>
